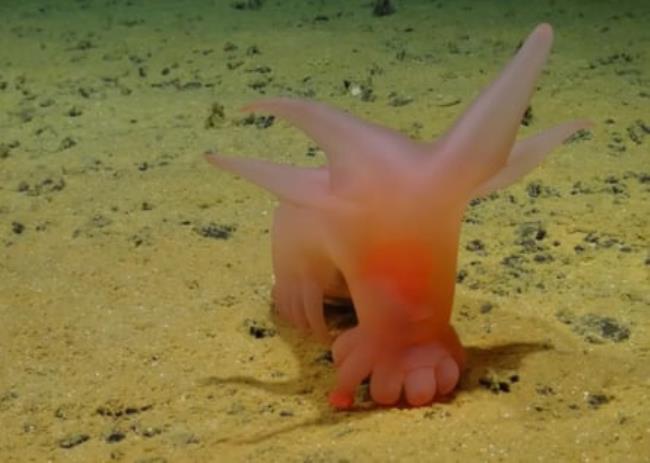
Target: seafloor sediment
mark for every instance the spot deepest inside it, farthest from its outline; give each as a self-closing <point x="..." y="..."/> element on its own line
<point x="135" y="279"/>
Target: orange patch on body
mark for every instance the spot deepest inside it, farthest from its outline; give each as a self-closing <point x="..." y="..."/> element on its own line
<point x="406" y="266"/>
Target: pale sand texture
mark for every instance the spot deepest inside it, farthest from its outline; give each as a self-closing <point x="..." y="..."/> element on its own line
<point x="126" y="335"/>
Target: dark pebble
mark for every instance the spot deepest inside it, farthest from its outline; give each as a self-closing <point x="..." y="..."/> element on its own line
<point x="597" y="400"/>
<point x="73" y="440"/>
<point x="115" y="436"/>
<point x="216" y="231"/>
<point x="17" y="228"/>
<point x="258" y="330"/>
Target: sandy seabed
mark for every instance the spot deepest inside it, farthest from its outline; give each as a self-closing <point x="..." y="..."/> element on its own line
<point x="135" y="279"/>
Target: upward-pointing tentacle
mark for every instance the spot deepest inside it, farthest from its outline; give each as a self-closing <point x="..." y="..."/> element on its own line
<point x="528" y="154"/>
<point x="353" y="146"/>
<point x="478" y="144"/>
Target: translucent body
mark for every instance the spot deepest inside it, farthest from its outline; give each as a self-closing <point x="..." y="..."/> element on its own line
<point x="381" y="222"/>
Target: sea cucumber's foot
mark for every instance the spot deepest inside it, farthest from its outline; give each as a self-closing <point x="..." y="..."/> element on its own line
<point x="420" y="373"/>
<point x="301" y="304"/>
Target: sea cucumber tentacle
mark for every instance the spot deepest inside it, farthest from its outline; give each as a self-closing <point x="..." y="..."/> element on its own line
<point x="477" y="146"/>
<point x="352" y="145"/>
<point x="313" y="306"/>
<point x="528" y="154"/>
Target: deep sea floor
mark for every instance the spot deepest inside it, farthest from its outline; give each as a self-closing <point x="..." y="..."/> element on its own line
<point x="135" y="278"/>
